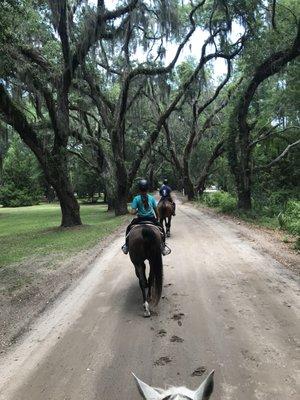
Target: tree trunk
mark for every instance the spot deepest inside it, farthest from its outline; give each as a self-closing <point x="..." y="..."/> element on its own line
<point x="110" y="204"/>
<point x="244" y="199"/>
<point x="121" y="204"/>
<point x="201" y="185"/>
<point x="243" y="175"/>
<point x="120" y="171"/>
<point x="188" y="187"/>
<point x="151" y="177"/>
<point x="240" y="153"/>
<point x="53" y="163"/>
<point x="69" y="207"/>
<point x="1" y="168"/>
<point x="121" y="189"/>
<point x="57" y="175"/>
<point x="217" y="152"/>
<point x="243" y="183"/>
<point x="187" y="182"/>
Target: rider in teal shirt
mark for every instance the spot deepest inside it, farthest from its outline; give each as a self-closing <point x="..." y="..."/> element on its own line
<point x="144" y="205"/>
<point x="137" y="204"/>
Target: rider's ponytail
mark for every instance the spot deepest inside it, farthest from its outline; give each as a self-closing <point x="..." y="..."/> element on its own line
<point x="145" y="201"/>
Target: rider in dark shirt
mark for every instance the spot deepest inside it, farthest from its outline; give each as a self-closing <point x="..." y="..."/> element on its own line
<point x="165" y="193"/>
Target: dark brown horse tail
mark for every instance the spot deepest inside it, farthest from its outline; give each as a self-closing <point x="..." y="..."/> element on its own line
<point x="163" y="208"/>
<point x="155" y="261"/>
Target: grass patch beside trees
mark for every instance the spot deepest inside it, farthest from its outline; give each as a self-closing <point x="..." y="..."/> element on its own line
<point x="33" y="231"/>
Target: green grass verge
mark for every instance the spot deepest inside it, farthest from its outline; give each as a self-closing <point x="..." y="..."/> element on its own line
<point x="287" y="219"/>
<point x="34" y="231"/>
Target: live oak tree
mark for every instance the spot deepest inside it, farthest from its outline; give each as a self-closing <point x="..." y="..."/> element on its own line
<point x="87" y="86"/>
<point x="42" y="62"/>
<point x="285" y="45"/>
<point x="198" y="121"/>
<point x="132" y="73"/>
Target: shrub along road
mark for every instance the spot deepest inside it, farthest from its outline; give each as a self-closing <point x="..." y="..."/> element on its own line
<point x="226" y="306"/>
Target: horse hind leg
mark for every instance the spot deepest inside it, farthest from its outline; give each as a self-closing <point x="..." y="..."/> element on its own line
<point x="140" y="270"/>
<point x="147" y="312"/>
<point x="150" y="284"/>
<point x="168" y="227"/>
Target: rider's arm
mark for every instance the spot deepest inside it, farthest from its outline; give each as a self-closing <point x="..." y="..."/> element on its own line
<point x="153" y="203"/>
<point x="134" y="206"/>
<point x="133" y="211"/>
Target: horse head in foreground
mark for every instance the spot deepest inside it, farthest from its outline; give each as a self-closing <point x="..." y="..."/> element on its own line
<point x="177" y="393"/>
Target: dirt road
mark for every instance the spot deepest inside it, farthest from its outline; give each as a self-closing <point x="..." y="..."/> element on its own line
<point x="225" y="306"/>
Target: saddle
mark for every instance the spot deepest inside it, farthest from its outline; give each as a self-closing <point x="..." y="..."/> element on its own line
<point x="146" y="223"/>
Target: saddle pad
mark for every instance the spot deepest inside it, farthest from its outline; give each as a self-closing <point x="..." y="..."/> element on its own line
<point x="146" y="223"/>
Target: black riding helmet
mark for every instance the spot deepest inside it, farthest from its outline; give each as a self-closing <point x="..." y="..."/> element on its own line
<point x="165" y="181"/>
<point x="143" y="185"/>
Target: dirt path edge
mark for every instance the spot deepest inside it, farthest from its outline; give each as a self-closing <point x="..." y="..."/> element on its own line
<point x="20" y="310"/>
<point x="265" y="240"/>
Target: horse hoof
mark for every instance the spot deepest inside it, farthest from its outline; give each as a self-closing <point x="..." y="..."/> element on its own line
<point x="146" y="310"/>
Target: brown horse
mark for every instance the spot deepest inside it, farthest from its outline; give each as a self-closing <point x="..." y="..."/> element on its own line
<point x="165" y="212"/>
<point x="145" y="243"/>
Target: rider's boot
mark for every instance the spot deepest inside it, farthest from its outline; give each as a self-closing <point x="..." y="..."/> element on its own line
<point x="125" y="248"/>
<point x="165" y="250"/>
<point x="174" y="207"/>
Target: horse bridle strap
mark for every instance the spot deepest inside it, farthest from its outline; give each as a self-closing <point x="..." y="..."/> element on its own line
<point x="182" y="397"/>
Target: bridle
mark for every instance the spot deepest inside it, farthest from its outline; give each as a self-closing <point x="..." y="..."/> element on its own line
<point x="183" y="397"/>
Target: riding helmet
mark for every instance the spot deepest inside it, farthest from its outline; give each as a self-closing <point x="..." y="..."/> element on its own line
<point x="143" y="185"/>
<point x="165" y="181"/>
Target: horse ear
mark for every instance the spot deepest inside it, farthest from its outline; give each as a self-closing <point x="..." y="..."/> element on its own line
<point x="206" y="388"/>
<point x="145" y="390"/>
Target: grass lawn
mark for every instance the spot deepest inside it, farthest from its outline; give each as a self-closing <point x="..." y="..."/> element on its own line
<point x="33" y="231"/>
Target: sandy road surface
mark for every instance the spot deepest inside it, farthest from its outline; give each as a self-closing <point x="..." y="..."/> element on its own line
<point x="225" y="307"/>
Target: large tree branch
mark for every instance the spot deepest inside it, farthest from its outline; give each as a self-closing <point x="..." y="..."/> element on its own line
<point x="280" y="157"/>
<point x="36" y="57"/>
<point x="15" y="118"/>
<point x="217" y="90"/>
<point x="170" y="66"/>
<point x="136" y="94"/>
<point x="165" y="115"/>
<point x="171" y="147"/>
<point x="128" y="76"/>
<point x="197" y="112"/>
<point x="96" y="91"/>
<point x="209" y="121"/>
<point x="269" y="67"/>
<point x="49" y="100"/>
<point x="95" y="31"/>
<point x="217" y="152"/>
<point x="94" y="167"/>
<point x="59" y="11"/>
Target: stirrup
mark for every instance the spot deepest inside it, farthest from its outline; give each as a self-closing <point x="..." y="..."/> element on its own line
<point x="165" y="250"/>
<point x="125" y="248"/>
